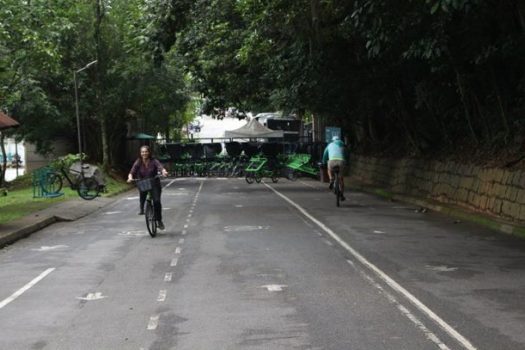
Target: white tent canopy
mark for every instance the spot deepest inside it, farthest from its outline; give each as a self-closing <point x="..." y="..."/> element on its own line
<point x="254" y="129"/>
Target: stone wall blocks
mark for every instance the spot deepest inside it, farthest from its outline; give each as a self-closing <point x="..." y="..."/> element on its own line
<point x="522" y="212"/>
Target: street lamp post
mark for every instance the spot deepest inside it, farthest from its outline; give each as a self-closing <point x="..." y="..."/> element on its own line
<point x="76" y="106"/>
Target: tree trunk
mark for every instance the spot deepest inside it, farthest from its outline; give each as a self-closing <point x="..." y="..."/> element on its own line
<point x="403" y="121"/>
<point x="504" y="119"/>
<point x="468" y="117"/>
<point x="314" y="39"/>
<point x="4" y="160"/>
<point x="99" y="16"/>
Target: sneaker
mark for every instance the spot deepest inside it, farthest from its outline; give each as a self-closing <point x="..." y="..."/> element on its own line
<point x="331" y="186"/>
<point x="141" y="212"/>
<point x="160" y="225"/>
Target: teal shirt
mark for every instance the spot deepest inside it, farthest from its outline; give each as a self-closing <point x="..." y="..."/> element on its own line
<point x="334" y="151"/>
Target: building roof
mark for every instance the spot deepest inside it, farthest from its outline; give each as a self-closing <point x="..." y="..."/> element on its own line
<point x="7" y="122"/>
<point x="254" y="129"/>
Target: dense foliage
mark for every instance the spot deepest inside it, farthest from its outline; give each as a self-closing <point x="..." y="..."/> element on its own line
<point x="409" y="77"/>
<point x="412" y="77"/>
<point x="42" y="42"/>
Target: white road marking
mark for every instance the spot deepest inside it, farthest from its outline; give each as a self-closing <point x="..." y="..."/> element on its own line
<point x="162" y="295"/>
<point x="377" y="231"/>
<point x="168" y="276"/>
<point x="328" y="242"/>
<point x="186" y="226"/>
<point x="181" y="241"/>
<point x="46" y="248"/>
<point x="166" y="208"/>
<point x="92" y="296"/>
<point x="153" y="322"/>
<point x="133" y="233"/>
<point x="245" y="228"/>
<point x="112" y="212"/>
<point x="26" y="287"/>
<point x="178" y="250"/>
<point x="168" y="185"/>
<point x="429" y="334"/>
<point x="174" y="261"/>
<point x="274" y="287"/>
<point x="383" y="276"/>
<point x="132" y="198"/>
<point x="309" y="185"/>
<point x="184" y="232"/>
<point x="441" y="268"/>
<point x="239" y="205"/>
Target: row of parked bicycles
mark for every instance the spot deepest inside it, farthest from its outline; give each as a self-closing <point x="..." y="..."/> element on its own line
<point x="251" y="160"/>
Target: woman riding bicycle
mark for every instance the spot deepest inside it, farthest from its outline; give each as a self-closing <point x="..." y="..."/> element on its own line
<point x="148" y="167"/>
<point x="334" y="153"/>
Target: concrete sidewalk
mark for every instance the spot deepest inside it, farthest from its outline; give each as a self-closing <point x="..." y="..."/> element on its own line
<point x="69" y="210"/>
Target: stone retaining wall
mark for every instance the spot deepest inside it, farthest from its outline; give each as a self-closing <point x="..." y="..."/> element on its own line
<point x="497" y="192"/>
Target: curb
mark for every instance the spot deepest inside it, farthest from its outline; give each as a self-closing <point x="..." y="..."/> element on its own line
<point x="499" y="225"/>
<point x="24" y="227"/>
<point x="25" y="231"/>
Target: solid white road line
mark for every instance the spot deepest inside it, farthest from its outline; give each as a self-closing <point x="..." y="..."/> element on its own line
<point x="383" y="276"/>
<point x="174" y="262"/>
<point x="430" y="335"/>
<point x="26" y="287"/>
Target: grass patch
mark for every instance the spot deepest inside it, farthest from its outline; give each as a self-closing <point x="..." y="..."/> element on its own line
<point x="19" y="201"/>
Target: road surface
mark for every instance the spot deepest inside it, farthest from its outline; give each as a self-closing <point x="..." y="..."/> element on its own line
<point x="263" y="266"/>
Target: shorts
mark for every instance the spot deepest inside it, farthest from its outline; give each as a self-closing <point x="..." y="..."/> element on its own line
<point x="333" y="163"/>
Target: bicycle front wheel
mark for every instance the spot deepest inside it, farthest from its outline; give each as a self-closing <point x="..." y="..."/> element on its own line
<point x="151" y="222"/>
<point x="88" y="188"/>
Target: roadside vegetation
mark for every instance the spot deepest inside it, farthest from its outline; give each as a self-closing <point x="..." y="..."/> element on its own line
<point x="20" y="202"/>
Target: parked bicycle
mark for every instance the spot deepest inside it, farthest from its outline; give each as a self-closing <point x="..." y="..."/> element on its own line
<point x="146" y="185"/>
<point x="87" y="187"/>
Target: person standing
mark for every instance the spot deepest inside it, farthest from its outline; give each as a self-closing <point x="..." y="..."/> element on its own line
<point x="334" y="155"/>
<point x="146" y="166"/>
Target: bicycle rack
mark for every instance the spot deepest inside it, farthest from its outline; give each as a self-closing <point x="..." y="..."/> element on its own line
<point x="41" y="186"/>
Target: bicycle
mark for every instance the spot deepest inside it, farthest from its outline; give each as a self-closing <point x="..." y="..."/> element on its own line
<point x="87" y="188"/>
<point x="146" y="185"/>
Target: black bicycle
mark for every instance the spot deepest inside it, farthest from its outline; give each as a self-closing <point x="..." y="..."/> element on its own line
<point x="146" y="185"/>
<point x="87" y="188"/>
<point x="337" y="186"/>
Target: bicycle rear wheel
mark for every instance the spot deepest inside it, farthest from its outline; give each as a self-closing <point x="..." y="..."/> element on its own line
<point x="337" y="190"/>
<point x="151" y="222"/>
<point x="88" y="188"/>
<point x="52" y="183"/>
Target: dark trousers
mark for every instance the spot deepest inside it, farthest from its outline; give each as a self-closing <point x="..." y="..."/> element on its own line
<point x="155" y="195"/>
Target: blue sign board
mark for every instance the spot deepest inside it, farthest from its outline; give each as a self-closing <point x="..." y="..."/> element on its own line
<point x="331" y="131"/>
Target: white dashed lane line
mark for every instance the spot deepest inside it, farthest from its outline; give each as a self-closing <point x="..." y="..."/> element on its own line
<point x="153" y="322"/>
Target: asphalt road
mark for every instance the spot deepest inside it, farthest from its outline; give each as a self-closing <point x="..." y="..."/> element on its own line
<point x="263" y="266"/>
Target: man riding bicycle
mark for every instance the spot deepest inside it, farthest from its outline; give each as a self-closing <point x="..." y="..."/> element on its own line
<point x="334" y="155"/>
